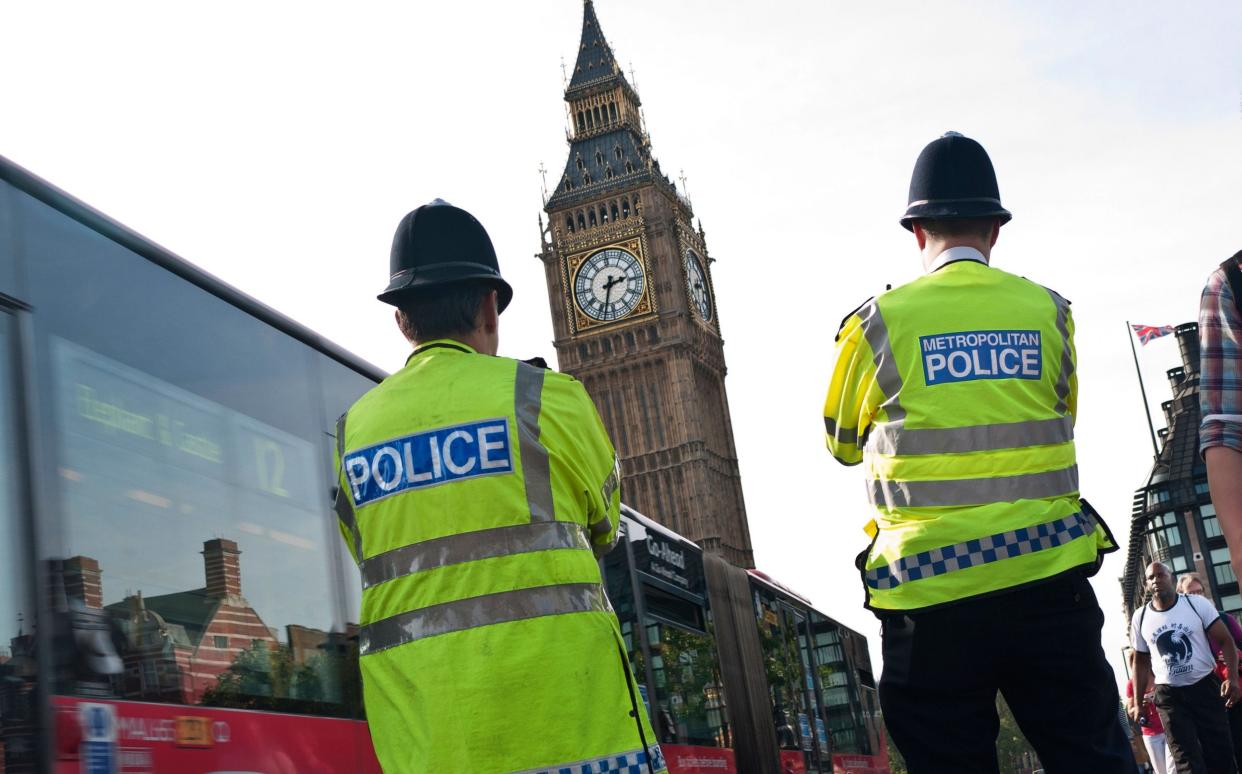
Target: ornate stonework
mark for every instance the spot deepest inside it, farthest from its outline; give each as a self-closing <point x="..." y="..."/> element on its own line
<point x="657" y="372"/>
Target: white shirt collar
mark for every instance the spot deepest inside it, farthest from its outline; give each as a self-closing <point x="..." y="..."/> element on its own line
<point x="960" y="253"/>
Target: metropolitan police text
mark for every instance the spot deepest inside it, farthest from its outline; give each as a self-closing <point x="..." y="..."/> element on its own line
<point x="960" y="357"/>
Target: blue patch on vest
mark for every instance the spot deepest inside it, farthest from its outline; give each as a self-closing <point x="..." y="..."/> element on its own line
<point x="429" y="458"/>
<point x="964" y="357"/>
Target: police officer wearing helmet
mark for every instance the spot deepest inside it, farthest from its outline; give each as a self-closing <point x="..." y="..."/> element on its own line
<point x="958" y="391"/>
<point x="475" y="493"/>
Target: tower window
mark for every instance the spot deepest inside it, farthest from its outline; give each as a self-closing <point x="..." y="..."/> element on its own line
<point x="595" y="110"/>
<point x="578" y="161"/>
<point x="617" y="152"/>
<point x="625" y="208"/>
<point x="608" y="172"/>
<point x="581" y="121"/>
<point x="614" y="210"/>
<point x="629" y="168"/>
<point x="603" y="214"/>
<point x="581" y="220"/>
<point x="586" y="177"/>
<point x="612" y="111"/>
<point x="599" y="157"/>
<point x="591" y="213"/>
<point x="569" y="224"/>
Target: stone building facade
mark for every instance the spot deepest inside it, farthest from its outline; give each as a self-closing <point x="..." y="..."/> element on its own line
<point x="634" y="311"/>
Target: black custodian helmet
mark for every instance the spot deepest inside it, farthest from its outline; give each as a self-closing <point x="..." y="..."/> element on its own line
<point x="439" y="244"/>
<point x="954" y="178"/>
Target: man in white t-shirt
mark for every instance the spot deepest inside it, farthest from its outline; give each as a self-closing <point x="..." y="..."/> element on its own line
<point x="1188" y="692"/>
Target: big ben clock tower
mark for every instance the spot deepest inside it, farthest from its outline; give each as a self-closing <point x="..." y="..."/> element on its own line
<point x="634" y="312"/>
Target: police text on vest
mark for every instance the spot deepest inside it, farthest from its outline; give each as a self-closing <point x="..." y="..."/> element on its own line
<point x="962" y="357"/>
<point x="429" y="458"/>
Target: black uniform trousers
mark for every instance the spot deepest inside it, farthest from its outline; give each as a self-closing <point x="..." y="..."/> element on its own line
<point x="1039" y="646"/>
<point x="1196" y="726"/>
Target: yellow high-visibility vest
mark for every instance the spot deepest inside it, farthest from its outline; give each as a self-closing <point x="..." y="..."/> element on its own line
<point x="475" y="493"/>
<point x="958" y="391"/>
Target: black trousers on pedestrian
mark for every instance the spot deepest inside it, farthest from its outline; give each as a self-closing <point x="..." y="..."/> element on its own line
<point x="1038" y="646"/>
<point x="1235" y="732"/>
<point x="1196" y="727"/>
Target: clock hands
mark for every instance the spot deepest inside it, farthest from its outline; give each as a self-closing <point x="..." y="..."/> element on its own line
<point x="609" y="285"/>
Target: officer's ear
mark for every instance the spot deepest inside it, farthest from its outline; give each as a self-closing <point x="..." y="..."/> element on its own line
<point x="920" y="235"/>
<point x="996" y="227"/>
<point x="489" y="312"/>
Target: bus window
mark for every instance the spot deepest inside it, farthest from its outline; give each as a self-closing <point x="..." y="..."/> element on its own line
<point x="690" y="697"/>
<point x="18" y="751"/>
<point x="184" y="456"/>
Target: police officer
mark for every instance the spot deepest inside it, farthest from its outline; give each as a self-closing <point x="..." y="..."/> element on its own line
<point x="959" y="392"/>
<point x="475" y="493"/>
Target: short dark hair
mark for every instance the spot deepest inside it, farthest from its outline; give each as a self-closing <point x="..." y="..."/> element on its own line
<point x="441" y="312"/>
<point x="958" y="227"/>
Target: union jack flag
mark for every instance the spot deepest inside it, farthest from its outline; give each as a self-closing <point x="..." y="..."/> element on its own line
<point x="1146" y="333"/>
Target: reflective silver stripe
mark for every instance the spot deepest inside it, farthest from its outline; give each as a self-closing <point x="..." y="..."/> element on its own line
<point x="842" y="435"/>
<point x="1067" y="364"/>
<point x="973" y="491"/>
<point x="342" y="504"/>
<point x="485" y="610"/>
<point x="472" y="546"/>
<point x="896" y="438"/>
<point x="886" y="373"/>
<point x="528" y="397"/>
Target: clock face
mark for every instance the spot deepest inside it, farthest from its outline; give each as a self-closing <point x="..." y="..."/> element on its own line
<point x="696" y="281"/>
<point x="609" y="284"/>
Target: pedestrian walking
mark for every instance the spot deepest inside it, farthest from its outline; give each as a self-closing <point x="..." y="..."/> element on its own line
<point x="1220" y="398"/>
<point x="959" y="391"/>
<point x="1158" y="752"/>
<point x="1188" y="694"/>
<point x="1192" y="583"/>
<point x="476" y="493"/>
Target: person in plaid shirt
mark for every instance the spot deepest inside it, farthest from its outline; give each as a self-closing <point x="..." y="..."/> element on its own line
<point x="1220" y="398"/>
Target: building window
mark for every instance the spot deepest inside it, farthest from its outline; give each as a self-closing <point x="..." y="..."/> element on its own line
<point x="1157" y="496"/>
<point x="599" y="157"/>
<point x="1201" y="487"/>
<point x="1180" y="564"/>
<point x="569" y="224"/>
<point x="613" y="209"/>
<point x="1231" y="603"/>
<point x="1211" y="527"/>
<point x="617" y="152"/>
<point x="591" y="214"/>
<point x="1221" y="567"/>
<point x="581" y="220"/>
<point x="221" y="641"/>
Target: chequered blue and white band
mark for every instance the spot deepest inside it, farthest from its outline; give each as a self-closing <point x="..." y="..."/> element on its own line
<point x="972" y="553"/>
<point x="631" y="762"/>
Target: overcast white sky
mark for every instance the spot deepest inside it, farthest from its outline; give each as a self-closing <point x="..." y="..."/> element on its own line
<point x="277" y="144"/>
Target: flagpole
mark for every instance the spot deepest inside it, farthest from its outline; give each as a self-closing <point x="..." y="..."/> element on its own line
<point x="1142" y="389"/>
